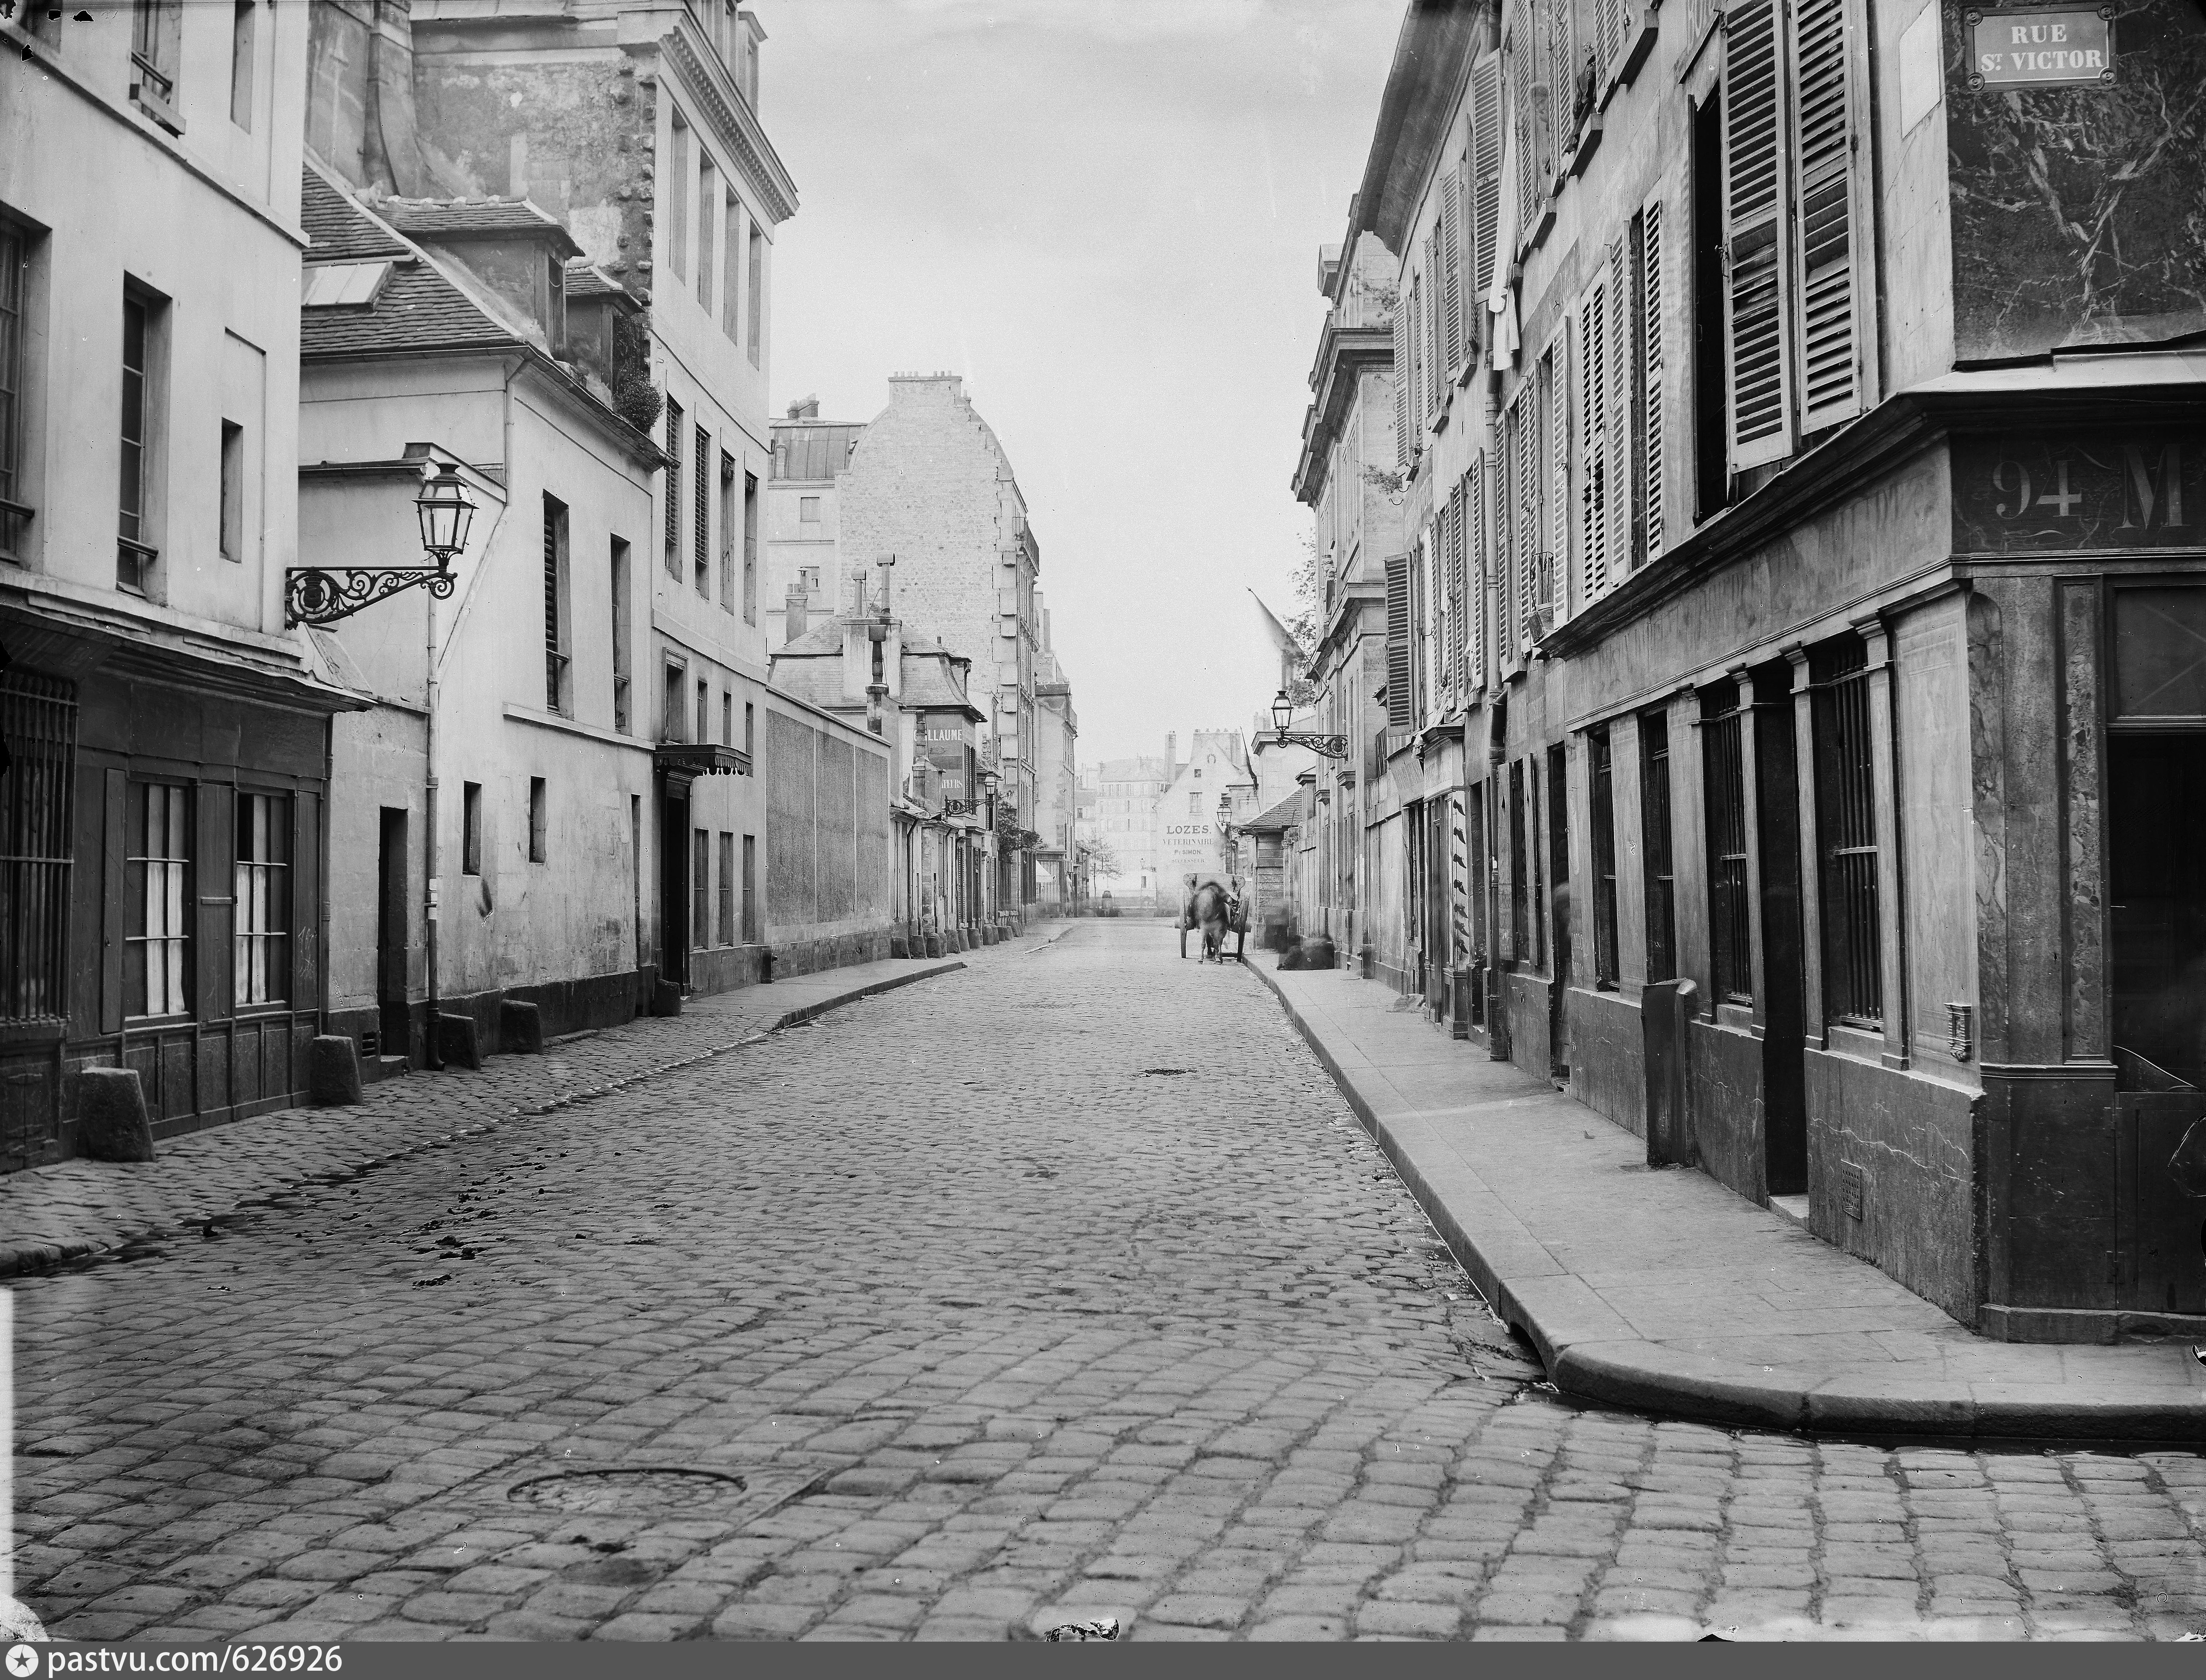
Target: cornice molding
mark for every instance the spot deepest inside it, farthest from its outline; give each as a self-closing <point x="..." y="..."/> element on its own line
<point x="735" y="124"/>
<point x="1339" y="350"/>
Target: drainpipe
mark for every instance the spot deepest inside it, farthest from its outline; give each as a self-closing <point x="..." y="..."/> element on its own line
<point x="434" y="1057"/>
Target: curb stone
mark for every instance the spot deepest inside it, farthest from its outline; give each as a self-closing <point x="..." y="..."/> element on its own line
<point x="1652" y="1376"/>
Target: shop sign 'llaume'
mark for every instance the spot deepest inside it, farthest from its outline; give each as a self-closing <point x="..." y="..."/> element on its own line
<point x="2041" y="48"/>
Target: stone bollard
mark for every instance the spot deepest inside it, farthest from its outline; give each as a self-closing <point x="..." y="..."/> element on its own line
<point x="459" y="1041"/>
<point x="934" y="944"/>
<point x="110" y="1115"/>
<point x="332" y="1071"/>
<point x="665" y="997"/>
<point x="899" y="947"/>
<point x="519" y="1028"/>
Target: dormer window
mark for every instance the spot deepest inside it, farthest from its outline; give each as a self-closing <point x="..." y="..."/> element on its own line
<point x="342" y="285"/>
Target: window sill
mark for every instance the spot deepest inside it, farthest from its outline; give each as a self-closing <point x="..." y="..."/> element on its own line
<point x="156" y="107"/>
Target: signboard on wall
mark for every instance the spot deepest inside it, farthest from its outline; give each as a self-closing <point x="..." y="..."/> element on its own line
<point x="2038" y="48"/>
<point x="2065" y="494"/>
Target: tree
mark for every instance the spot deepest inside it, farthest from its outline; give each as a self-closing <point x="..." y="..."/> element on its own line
<point x="1306" y="625"/>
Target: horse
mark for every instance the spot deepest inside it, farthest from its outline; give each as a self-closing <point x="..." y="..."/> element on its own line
<point x="1211" y="910"/>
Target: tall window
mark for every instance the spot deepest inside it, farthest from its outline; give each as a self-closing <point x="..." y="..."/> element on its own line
<point x="1845" y="823"/>
<point x="704" y="710"/>
<point x="677" y="207"/>
<point x="1646" y="245"/>
<point x="750" y="728"/>
<point x="728" y="524"/>
<point x="1654" y="845"/>
<point x="231" y="512"/>
<point x="732" y="268"/>
<point x="727" y="894"/>
<point x="135" y="555"/>
<point x="675" y="440"/>
<point x="241" y="63"/>
<point x="1605" y="968"/>
<point x="728" y="716"/>
<point x="750" y="890"/>
<point x="700" y="890"/>
<point x="1730" y="914"/>
<point x="471" y="828"/>
<point x="669" y="703"/>
<point x="539" y="821"/>
<point x="15" y="273"/>
<point x="555" y="604"/>
<point x="621" y="653"/>
<point x="260" y="952"/>
<point x="157" y="969"/>
<point x="156" y="31"/>
<point x="750" y="548"/>
<point x="708" y="197"/>
<point x="754" y="293"/>
<point x="1194" y="805"/>
<point x="702" y="538"/>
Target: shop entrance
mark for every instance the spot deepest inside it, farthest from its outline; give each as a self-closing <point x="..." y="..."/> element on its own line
<point x="2156" y="880"/>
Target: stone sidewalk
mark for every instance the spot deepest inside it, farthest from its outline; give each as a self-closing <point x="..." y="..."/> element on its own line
<point x="51" y="1215"/>
<point x="1662" y="1289"/>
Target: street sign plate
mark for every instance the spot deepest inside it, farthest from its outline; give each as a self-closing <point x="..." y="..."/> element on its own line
<point x="2041" y="48"/>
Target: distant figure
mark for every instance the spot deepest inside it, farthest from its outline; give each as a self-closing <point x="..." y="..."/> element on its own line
<point x="1211" y="909"/>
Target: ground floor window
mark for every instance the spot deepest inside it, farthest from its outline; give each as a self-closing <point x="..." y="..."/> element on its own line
<point x="1845" y="822"/>
<point x="1606" y="966"/>
<point x="264" y="898"/>
<point x="157" y="969"/>
<point x="727" y="903"/>
<point x="1654" y="846"/>
<point x="1730" y="914"/>
<point x="701" y="889"/>
<point x="37" y="726"/>
<point x="1520" y="917"/>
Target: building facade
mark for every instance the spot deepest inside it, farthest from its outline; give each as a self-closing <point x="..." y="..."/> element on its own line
<point x="1794" y="598"/>
<point x="164" y="787"/>
<point x="1125" y="821"/>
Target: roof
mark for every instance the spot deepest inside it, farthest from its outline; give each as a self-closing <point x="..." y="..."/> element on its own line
<point x="1286" y="814"/>
<point x="419" y="307"/>
<point x="1432" y="54"/>
<point x="585" y="279"/>
<point x="476" y="218"/>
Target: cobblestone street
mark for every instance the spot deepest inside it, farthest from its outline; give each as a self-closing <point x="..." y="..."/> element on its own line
<point x="1061" y="1286"/>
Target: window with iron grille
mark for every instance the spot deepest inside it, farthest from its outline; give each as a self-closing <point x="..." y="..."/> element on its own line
<point x="727" y="896"/>
<point x="38" y="721"/>
<point x="1846" y="824"/>
<point x="1520" y="908"/>
<point x="135" y="555"/>
<point x="1730" y="914"/>
<point x="1654" y="845"/>
<point x="555" y="604"/>
<point x="1606" y="966"/>
<point x="674" y="440"/>
<point x="259" y="941"/>
<point x="157" y="868"/>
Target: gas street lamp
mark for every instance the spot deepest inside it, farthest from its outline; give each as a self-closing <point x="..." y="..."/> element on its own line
<point x="1325" y="746"/>
<point x="323" y="595"/>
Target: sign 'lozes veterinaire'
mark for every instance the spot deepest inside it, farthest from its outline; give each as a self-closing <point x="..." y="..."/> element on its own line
<point x="2039" y="48"/>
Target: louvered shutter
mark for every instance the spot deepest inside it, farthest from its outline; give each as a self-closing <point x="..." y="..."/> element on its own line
<point x="1760" y="367"/>
<point x="1458" y="596"/>
<point x="1824" y="257"/>
<point x="1414" y="302"/>
<point x="1555" y="393"/>
<point x="1474" y="583"/>
<point x="1523" y="71"/>
<point x="1398" y="641"/>
<point x="1651" y="424"/>
<point x="1593" y="466"/>
<point x="1451" y="270"/>
<point x="1529" y="511"/>
<point x="1402" y="375"/>
<point x="1436" y="368"/>
<point x="1484" y="186"/>
<point x="1620" y="428"/>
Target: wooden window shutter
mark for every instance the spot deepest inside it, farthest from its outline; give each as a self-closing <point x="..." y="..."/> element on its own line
<point x="673" y="488"/>
<point x="1755" y="260"/>
<point x="1593" y="430"/>
<point x="1398" y="641"/>
<point x="1484" y="188"/>
<point x="1451" y="270"/>
<point x="1555" y="466"/>
<point x="1827" y="250"/>
<point x="1474" y="583"/>
<point x="1459" y="596"/>
<point x="1619" y="404"/>
<point x="1528" y="512"/>
<point x="1651" y="379"/>
<point x="1402" y="375"/>
<point x="1524" y="72"/>
<point x="1436" y="367"/>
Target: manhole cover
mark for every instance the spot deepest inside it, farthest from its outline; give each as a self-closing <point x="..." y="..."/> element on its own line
<point x="610" y="1492"/>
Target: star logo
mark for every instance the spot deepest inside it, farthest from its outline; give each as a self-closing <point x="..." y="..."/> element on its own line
<point x="22" y="1661"/>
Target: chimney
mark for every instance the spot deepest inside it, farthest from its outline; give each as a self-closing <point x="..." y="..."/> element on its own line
<point x="800" y="612"/>
<point x="805" y="408"/>
<point x="1171" y="755"/>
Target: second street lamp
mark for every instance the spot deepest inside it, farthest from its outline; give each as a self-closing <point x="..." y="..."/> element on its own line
<point x="1325" y="746"/>
<point x="323" y="595"/>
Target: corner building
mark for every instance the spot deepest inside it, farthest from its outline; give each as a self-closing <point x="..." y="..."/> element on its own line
<point x="1801" y="540"/>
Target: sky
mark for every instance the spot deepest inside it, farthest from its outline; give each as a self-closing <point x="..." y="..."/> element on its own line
<point x="1105" y="215"/>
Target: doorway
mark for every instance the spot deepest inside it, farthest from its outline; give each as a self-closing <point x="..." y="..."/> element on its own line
<point x="1785" y="1005"/>
<point x="674" y="886"/>
<point x="393" y="1013"/>
<point x="1559" y="889"/>
<point x="2156" y="870"/>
